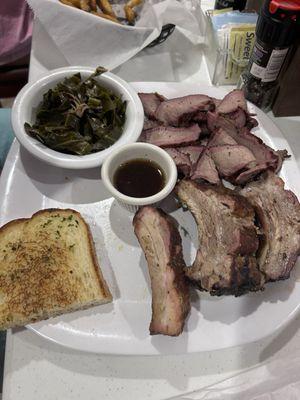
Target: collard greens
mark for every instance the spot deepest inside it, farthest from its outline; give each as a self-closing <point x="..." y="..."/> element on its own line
<point x="79" y="116"/>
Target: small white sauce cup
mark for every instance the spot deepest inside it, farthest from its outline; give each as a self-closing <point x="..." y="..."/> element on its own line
<point x="135" y="151"/>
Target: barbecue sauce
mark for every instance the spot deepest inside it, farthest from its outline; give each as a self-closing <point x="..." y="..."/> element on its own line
<point x="139" y="178"/>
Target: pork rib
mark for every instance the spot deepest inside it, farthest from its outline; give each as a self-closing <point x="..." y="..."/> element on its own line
<point x="278" y="211"/>
<point x="161" y="243"/>
<point x="225" y="262"/>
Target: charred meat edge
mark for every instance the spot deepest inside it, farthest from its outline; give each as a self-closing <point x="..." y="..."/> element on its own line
<point x="242" y="274"/>
<point x="170" y="295"/>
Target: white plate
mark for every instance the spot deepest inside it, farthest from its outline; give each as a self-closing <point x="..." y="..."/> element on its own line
<point x="28" y="185"/>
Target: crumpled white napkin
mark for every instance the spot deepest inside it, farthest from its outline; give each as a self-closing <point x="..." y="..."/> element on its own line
<point x="85" y="39"/>
<point x="276" y="379"/>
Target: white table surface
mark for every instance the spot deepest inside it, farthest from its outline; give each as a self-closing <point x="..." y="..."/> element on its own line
<point x="37" y="369"/>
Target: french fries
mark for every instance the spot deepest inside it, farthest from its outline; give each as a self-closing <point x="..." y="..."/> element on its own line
<point x="106" y="7"/>
<point x="129" y="14"/>
<point x="93" y="5"/>
<point x="85" y="5"/>
<point x="67" y="3"/>
<point x="134" y="3"/>
<point x="106" y="10"/>
<point x="128" y="9"/>
<point x="106" y="16"/>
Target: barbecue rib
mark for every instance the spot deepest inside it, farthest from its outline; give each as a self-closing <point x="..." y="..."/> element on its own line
<point x="161" y="243"/>
<point x="278" y="211"/>
<point x="225" y="262"/>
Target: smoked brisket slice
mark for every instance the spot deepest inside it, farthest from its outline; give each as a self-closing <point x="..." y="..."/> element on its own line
<point x="161" y="243"/>
<point x="150" y="103"/>
<point x="150" y="123"/>
<point x="220" y="137"/>
<point x="225" y="262"/>
<point x="232" y="101"/>
<point x="206" y="169"/>
<point x="182" y="161"/>
<point x="181" y="110"/>
<point x="238" y="118"/>
<point x="265" y="157"/>
<point x="168" y="136"/>
<point x="278" y="211"/>
<point x="229" y="159"/>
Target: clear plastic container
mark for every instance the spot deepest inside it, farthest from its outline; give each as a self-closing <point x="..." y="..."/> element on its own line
<point x="227" y="51"/>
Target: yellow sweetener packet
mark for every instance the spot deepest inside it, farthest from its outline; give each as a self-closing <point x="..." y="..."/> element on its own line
<point x="240" y="45"/>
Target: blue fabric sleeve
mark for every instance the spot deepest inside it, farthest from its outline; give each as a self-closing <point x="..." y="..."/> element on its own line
<point x="6" y="134"/>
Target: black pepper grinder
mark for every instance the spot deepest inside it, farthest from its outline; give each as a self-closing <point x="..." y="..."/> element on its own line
<point x="276" y="32"/>
<point x="235" y="4"/>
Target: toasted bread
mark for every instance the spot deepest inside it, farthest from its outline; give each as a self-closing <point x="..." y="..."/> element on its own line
<point x="48" y="267"/>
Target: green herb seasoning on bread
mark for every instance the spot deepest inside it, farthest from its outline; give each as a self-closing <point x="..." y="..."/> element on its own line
<point x="48" y="267"/>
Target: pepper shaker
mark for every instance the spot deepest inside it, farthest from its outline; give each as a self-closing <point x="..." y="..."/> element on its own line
<point x="275" y="35"/>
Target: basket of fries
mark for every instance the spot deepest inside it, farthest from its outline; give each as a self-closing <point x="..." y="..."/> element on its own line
<point x="109" y="32"/>
<point x="104" y="9"/>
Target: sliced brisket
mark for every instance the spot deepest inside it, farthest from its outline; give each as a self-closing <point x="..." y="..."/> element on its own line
<point x="238" y="118"/>
<point x="215" y="121"/>
<point x="232" y="101"/>
<point x="206" y="169"/>
<point x="182" y="161"/>
<point x="216" y="102"/>
<point x="265" y="156"/>
<point x="168" y="136"/>
<point x="230" y="159"/>
<point x="220" y="137"/>
<point x="251" y="171"/>
<point x="161" y="243"/>
<point x="150" y="123"/>
<point x="150" y="103"/>
<point x="180" y="111"/>
<point x="251" y="122"/>
<point x="193" y="152"/>
<point x="262" y="152"/>
<point x="200" y="116"/>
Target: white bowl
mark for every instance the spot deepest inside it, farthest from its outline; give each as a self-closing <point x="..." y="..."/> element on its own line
<point x="139" y="151"/>
<point x="31" y="95"/>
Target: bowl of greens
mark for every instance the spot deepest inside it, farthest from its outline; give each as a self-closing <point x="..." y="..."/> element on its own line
<point x="74" y="117"/>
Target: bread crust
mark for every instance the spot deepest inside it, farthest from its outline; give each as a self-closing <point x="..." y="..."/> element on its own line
<point x="102" y="287"/>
